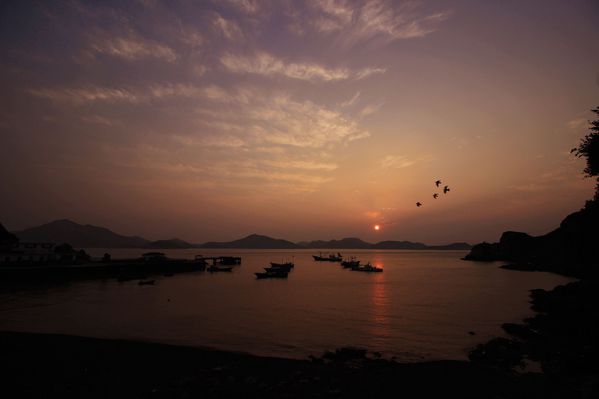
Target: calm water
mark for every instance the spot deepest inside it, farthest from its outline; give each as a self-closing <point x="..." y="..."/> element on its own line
<point x="421" y="307"/>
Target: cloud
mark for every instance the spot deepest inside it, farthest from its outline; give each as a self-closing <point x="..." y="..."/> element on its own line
<point x="369" y="19"/>
<point x="228" y="28"/>
<point x="266" y="64"/>
<point x="90" y="94"/>
<point x="578" y="124"/>
<point x="351" y="101"/>
<point x="246" y="6"/>
<point x="366" y="72"/>
<point x="396" y="161"/>
<point x="371" y="109"/>
<point x="305" y="165"/>
<point x="132" y="48"/>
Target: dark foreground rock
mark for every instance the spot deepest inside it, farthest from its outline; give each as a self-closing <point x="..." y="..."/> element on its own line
<point x="572" y="249"/>
<point x="41" y="365"/>
<point x="563" y="338"/>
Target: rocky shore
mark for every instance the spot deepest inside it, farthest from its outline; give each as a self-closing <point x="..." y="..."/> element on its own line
<point x="42" y="365"/>
<point x="572" y="249"/>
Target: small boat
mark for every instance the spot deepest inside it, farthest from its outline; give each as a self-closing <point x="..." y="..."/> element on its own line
<point x="280" y="268"/>
<point x="351" y="262"/>
<point x="146" y="282"/>
<point x="329" y="258"/>
<point x="272" y="274"/>
<point x="368" y="268"/>
<point x="285" y="264"/>
<point x="213" y="269"/>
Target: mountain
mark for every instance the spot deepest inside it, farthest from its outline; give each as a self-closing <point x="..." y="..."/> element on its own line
<point x="356" y="243"/>
<point x="571" y="249"/>
<point x="6" y="238"/>
<point x="254" y="241"/>
<point x="344" y="243"/>
<point x="399" y="245"/>
<point x="173" y="243"/>
<point x="79" y="236"/>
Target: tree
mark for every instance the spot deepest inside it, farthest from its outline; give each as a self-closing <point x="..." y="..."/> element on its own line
<point x="589" y="148"/>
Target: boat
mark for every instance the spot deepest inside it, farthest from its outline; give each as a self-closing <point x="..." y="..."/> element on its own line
<point x="213" y="269"/>
<point x="329" y="258"/>
<point x="146" y="282"/>
<point x="285" y="264"/>
<point x="351" y="262"/>
<point x="272" y="274"/>
<point x="279" y="268"/>
<point x="368" y="268"/>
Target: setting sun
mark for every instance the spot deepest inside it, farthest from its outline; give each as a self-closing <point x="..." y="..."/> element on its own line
<point x="377" y="227"/>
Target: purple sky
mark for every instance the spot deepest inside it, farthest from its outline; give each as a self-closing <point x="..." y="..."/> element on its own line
<point x="210" y="120"/>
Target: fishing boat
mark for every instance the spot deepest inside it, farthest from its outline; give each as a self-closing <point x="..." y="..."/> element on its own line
<point x="278" y="269"/>
<point x="368" y="268"/>
<point x="285" y="264"/>
<point x="329" y="258"/>
<point x="351" y="262"/>
<point x="146" y="282"/>
<point x="272" y="274"/>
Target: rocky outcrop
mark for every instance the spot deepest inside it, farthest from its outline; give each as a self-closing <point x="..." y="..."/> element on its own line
<point x="571" y="249"/>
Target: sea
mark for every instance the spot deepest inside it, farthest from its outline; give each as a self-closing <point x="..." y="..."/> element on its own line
<point x="425" y="305"/>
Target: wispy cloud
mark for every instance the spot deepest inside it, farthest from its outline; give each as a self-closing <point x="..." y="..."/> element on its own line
<point x="351" y="101"/>
<point x="371" y="109"/>
<point x="228" y="28"/>
<point x="396" y="161"/>
<point x="246" y="6"/>
<point x="266" y="64"/>
<point x="132" y="48"/>
<point x="134" y="95"/>
<point x="370" y="19"/>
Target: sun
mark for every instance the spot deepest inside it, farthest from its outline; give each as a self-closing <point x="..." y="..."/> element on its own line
<point x="377" y="227"/>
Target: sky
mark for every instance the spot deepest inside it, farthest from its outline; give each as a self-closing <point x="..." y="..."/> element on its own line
<point x="211" y="120"/>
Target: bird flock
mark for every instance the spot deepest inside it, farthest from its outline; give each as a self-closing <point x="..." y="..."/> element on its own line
<point x="436" y="195"/>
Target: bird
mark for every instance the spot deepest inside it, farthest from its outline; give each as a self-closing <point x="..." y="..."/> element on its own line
<point x="435" y="195"/>
<point x="418" y="204"/>
<point x="437" y="183"/>
<point x="445" y="189"/>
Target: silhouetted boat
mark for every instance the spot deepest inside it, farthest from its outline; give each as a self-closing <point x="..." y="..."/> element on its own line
<point x="272" y="274"/>
<point x="146" y="282"/>
<point x="286" y="269"/>
<point x="368" y="268"/>
<point x="329" y="258"/>
<point x="286" y="264"/>
<point x="213" y="269"/>
<point x="351" y="262"/>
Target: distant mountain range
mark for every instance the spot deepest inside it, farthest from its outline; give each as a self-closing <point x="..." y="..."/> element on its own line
<point x="254" y="241"/>
<point x="88" y="236"/>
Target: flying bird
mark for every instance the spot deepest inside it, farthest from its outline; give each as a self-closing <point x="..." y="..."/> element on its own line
<point x="418" y="204"/>
<point x="438" y="183"/>
<point x="435" y="195"/>
<point x="445" y="189"/>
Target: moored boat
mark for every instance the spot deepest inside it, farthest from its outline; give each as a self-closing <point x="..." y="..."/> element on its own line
<point x="368" y="268"/>
<point x="285" y="264"/>
<point x="272" y="274"/>
<point x="329" y="258"/>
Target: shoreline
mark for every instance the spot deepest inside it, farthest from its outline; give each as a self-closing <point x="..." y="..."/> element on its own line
<point x="35" y="365"/>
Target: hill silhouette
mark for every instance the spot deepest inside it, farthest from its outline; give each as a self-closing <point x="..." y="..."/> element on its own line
<point x="571" y="249"/>
<point x="88" y="236"/>
<point x="254" y="241"/>
<point x="80" y="236"/>
<point x="173" y="243"/>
